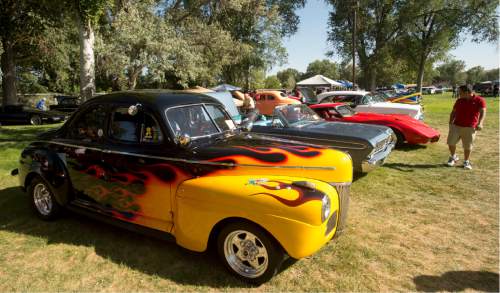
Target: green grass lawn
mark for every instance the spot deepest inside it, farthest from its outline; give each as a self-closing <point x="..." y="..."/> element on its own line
<point x="414" y="224"/>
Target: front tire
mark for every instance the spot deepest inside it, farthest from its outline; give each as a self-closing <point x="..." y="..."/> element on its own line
<point x="42" y="200"/>
<point x="249" y="252"/>
<point x="400" y="138"/>
<point x="35" y="120"/>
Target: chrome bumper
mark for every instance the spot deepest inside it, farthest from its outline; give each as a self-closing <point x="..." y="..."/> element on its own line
<point x="377" y="159"/>
<point x="343" y="191"/>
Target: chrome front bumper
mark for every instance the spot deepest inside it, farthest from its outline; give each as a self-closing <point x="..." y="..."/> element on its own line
<point x="377" y="159"/>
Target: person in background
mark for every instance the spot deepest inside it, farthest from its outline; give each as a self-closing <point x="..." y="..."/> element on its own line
<point x="466" y="118"/>
<point x="41" y="104"/>
<point x="455" y="91"/>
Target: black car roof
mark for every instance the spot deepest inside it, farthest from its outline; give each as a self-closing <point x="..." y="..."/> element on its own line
<point x="156" y="98"/>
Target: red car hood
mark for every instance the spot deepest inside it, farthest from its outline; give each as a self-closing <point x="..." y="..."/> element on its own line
<point x="385" y="119"/>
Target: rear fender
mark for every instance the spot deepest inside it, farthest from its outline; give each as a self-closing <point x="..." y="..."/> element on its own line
<point x="50" y="166"/>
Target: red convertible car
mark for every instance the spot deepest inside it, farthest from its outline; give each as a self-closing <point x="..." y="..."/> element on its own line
<point x="406" y="128"/>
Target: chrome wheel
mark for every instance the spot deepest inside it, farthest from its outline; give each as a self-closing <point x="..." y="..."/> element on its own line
<point x="42" y="199"/>
<point x="246" y="254"/>
<point x="35" y="120"/>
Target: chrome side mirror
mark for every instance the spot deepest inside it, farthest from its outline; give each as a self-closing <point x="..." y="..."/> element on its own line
<point x="134" y="109"/>
<point x="184" y="140"/>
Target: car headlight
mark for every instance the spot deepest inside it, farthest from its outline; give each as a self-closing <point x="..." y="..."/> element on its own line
<point x="325" y="208"/>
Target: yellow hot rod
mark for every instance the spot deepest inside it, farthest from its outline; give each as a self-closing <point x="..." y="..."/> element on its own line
<point x="175" y="163"/>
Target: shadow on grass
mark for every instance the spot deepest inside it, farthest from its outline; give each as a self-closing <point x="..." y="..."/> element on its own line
<point x="410" y="147"/>
<point x="145" y="254"/>
<point x="458" y="281"/>
<point x="26" y="133"/>
<point x="411" y="167"/>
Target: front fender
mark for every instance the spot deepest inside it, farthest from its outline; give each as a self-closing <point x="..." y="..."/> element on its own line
<point x="292" y="216"/>
<point x="47" y="164"/>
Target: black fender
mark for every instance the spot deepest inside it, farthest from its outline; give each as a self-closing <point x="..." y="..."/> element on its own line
<point x="44" y="162"/>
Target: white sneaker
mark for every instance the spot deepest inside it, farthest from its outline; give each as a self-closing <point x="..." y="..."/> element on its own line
<point x="467" y="165"/>
<point x="452" y="160"/>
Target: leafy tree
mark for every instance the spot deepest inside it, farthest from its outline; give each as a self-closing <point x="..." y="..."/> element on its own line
<point x="475" y="74"/>
<point x="21" y="27"/>
<point x="324" y="67"/>
<point x="260" y="27"/>
<point x="378" y="24"/>
<point x="272" y="82"/>
<point x="288" y="77"/>
<point x="433" y="27"/>
<point x="492" y="74"/>
<point x="451" y="72"/>
<point x="87" y="14"/>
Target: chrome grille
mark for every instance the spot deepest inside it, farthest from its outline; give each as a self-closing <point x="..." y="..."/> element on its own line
<point x="343" y="190"/>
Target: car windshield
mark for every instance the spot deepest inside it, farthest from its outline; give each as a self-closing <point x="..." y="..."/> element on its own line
<point x="297" y="114"/>
<point x="199" y="120"/>
<point x="345" y="111"/>
<point x="369" y="99"/>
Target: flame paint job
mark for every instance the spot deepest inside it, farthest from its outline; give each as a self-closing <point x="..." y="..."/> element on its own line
<point x="187" y="191"/>
<point x="304" y="194"/>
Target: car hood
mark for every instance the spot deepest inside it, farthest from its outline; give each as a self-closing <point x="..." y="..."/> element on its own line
<point x="253" y="154"/>
<point x="350" y="131"/>
<point x="400" y="106"/>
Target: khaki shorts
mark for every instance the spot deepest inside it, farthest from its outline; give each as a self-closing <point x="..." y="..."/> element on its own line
<point x="467" y="134"/>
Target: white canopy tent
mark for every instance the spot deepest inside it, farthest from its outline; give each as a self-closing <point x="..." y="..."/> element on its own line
<point x="319" y="80"/>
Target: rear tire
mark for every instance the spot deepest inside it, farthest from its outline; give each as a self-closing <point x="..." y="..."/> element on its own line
<point x="42" y="199"/>
<point x="35" y="120"/>
<point x="249" y="252"/>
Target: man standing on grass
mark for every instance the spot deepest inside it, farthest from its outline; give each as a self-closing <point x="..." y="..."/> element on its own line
<point x="466" y="118"/>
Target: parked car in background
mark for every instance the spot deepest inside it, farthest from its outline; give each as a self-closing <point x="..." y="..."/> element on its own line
<point x="439" y="90"/>
<point x="364" y="102"/>
<point x="429" y="90"/>
<point x="368" y="145"/>
<point x="407" y="129"/>
<point x="266" y="101"/>
<point x="486" y="88"/>
<point x="67" y="104"/>
<point x="167" y="163"/>
<point x="20" y="114"/>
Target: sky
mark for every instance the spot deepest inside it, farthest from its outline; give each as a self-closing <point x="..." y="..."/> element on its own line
<point x="309" y="43"/>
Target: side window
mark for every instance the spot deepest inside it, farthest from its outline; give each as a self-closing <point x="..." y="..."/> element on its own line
<point x="190" y="120"/>
<point x="89" y="126"/>
<point x="270" y="97"/>
<point x="223" y="121"/>
<point x="138" y="128"/>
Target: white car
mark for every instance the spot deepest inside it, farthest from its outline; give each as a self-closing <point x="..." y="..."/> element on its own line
<point x="363" y="101"/>
<point x="429" y="90"/>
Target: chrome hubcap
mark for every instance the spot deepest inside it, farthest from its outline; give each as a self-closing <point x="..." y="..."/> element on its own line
<point x="42" y="198"/>
<point x="246" y="254"/>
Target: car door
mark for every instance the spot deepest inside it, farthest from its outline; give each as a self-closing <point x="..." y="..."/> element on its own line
<point x="139" y="176"/>
<point x="15" y="114"/>
<point x="80" y="148"/>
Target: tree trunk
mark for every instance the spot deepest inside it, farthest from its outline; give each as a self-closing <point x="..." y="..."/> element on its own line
<point x="132" y="79"/>
<point x="87" y="61"/>
<point x="8" y="65"/>
<point x="420" y="76"/>
<point x="372" y="79"/>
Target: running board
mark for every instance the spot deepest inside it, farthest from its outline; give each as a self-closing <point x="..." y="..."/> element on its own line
<point x="85" y="209"/>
